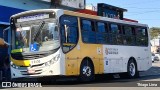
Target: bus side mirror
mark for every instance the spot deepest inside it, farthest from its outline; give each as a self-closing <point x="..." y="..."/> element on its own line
<point x="66" y="32"/>
<point x="3" y="44"/>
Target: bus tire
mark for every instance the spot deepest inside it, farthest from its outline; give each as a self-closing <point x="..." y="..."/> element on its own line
<point x="132" y="71"/>
<point x="86" y="71"/>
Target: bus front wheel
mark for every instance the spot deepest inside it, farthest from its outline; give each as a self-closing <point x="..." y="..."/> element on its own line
<point x="86" y="71"/>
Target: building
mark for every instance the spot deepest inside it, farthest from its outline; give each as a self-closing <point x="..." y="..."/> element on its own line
<point x="10" y="7"/>
<point x="155" y="45"/>
<point x="106" y="10"/>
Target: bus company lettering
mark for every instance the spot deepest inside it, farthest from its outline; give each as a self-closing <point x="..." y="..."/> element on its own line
<point x="113" y="51"/>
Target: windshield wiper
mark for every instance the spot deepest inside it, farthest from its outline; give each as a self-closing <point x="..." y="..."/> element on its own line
<point x="23" y="35"/>
<point x="36" y="34"/>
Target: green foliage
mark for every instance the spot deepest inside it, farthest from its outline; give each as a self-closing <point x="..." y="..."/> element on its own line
<point x="154" y="32"/>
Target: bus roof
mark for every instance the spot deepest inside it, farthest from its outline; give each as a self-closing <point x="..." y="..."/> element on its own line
<point x="80" y="15"/>
<point x="103" y="18"/>
<point x="33" y="11"/>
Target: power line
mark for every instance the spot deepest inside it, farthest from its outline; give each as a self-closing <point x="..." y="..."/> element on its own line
<point x="150" y="19"/>
<point x="149" y="1"/>
<point x="144" y="11"/>
<point x="155" y="11"/>
<point x="141" y="8"/>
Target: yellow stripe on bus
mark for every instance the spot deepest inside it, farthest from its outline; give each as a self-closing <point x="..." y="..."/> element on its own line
<point x="17" y="50"/>
<point x="68" y="44"/>
<point x="21" y="62"/>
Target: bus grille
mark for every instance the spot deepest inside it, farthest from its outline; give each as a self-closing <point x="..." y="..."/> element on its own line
<point x="36" y="72"/>
<point x="33" y="66"/>
<point x="28" y="57"/>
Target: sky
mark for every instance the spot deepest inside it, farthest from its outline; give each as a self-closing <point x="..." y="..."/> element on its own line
<point x="144" y="11"/>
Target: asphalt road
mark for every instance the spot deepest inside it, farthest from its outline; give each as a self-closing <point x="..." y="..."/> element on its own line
<point x="150" y="79"/>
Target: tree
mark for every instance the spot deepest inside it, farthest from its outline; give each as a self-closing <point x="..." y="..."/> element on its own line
<point x="154" y="32"/>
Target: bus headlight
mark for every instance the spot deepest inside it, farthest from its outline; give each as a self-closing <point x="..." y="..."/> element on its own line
<point x="14" y="66"/>
<point x="52" y="61"/>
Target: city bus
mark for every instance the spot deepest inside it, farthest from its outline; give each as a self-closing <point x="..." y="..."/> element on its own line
<point x="57" y="42"/>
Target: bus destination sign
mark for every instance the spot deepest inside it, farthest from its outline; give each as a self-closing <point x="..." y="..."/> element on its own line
<point x="33" y="17"/>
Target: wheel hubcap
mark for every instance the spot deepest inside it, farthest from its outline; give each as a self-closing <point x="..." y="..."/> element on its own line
<point x="132" y="69"/>
<point x="87" y="71"/>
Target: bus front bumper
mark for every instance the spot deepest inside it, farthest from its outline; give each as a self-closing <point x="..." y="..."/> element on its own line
<point x="38" y="71"/>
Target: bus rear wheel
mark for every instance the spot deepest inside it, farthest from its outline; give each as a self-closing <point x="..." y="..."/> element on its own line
<point x="132" y="71"/>
<point x="86" y="71"/>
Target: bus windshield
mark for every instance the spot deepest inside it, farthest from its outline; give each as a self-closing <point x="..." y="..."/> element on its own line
<point x="37" y="37"/>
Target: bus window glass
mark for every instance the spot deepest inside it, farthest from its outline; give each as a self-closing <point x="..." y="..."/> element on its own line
<point x="88" y="31"/>
<point x="69" y="32"/>
<point x="101" y="35"/>
<point x="127" y="30"/>
<point x="141" y="31"/>
<point x="141" y="36"/>
<point x="22" y="39"/>
<point x="86" y="25"/>
<point x="114" y="28"/>
<point x="129" y="36"/>
<point x="116" y="37"/>
<point x="101" y="27"/>
<point x="35" y="37"/>
<point x="119" y="39"/>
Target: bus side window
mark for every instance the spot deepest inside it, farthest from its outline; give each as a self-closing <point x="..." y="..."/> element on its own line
<point x="69" y="32"/>
<point x="119" y="36"/>
<point x="114" y="28"/>
<point x="101" y="35"/>
<point x="141" y="36"/>
<point x="129" y="36"/>
<point x="134" y="35"/>
<point x="114" y="31"/>
<point x="86" y="25"/>
<point x="116" y="34"/>
<point x="88" y="31"/>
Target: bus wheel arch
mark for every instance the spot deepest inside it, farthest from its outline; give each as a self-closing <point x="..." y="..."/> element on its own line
<point x="132" y="68"/>
<point x="87" y="70"/>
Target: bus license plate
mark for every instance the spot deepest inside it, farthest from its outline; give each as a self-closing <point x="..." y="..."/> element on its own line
<point x="31" y="71"/>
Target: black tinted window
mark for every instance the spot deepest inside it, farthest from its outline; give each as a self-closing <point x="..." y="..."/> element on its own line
<point x="114" y="28"/>
<point x="86" y="25"/>
<point x="141" y="36"/>
<point x="69" y="32"/>
<point x="128" y="30"/>
<point x="88" y="31"/>
<point x="101" y="27"/>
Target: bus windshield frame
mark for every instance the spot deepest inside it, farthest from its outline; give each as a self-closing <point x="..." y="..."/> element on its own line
<point x="36" y="36"/>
